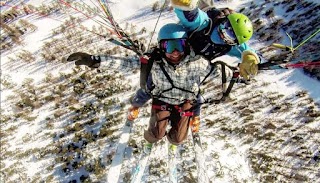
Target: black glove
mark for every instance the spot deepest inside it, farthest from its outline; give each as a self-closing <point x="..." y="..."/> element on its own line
<point x="224" y="12"/>
<point x="85" y="59"/>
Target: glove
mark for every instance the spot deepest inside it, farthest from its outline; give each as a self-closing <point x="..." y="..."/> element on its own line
<point x="249" y="64"/>
<point x="85" y="59"/>
<point x="224" y="12"/>
<point x="185" y="5"/>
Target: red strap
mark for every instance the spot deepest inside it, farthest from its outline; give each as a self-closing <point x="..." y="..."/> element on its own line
<point x="161" y="107"/>
<point x="236" y="74"/>
<point x="167" y="108"/>
<point x="188" y="113"/>
<point x="144" y="59"/>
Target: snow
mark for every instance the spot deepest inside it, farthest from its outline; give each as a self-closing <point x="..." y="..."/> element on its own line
<point x="288" y="82"/>
<point x="227" y="154"/>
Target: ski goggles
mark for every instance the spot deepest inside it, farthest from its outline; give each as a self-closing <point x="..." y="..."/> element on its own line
<point x="226" y="33"/>
<point x="170" y="45"/>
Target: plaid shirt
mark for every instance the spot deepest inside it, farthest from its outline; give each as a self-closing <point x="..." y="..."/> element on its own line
<point x="187" y="75"/>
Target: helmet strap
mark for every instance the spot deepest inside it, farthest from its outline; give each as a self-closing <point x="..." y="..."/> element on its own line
<point x="224" y="36"/>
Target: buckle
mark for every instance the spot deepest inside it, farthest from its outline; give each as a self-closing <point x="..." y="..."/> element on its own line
<point x="188" y="113"/>
<point x="163" y="107"/>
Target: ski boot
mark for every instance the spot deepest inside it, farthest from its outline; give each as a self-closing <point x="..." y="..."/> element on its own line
<point x="172" y="148"/>
<point x="133" y="113"/>
<point x="195" y="124"/>
<point x="147" y="148"/>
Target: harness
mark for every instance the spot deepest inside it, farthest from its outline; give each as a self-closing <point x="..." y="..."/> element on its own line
<point x="206" y="49"/>
<point x="225" y="90"/>
<point x="177" y="108"/>
<point x="168" y="107"/>
<point x="201" y="40"/>
<point x="173" y="86"/>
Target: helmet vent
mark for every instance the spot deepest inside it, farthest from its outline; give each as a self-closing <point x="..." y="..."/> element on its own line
<point x="241" y="26"/>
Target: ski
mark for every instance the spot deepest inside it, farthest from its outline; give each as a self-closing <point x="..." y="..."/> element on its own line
<point x="114" y="171"/>
<point x="172" y="163"/>
<point x="140" y="167"/>
<point x="200" y="159"/>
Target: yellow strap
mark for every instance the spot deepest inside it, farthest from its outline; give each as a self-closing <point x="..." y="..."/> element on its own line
<point x="281" y="46"/>
<point x="307" y="39"/>
<point x="103" y="8"/>
<point x="290" y="48"/>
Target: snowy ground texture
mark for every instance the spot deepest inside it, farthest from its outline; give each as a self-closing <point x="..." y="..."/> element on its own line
<point x="61" y="123"/>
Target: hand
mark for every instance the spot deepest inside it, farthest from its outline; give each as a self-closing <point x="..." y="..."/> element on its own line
<point x="185" y="5"/>
<point x="224" y="12"/>
<point x="249" y="64"/>
<point x="85" y="59"/>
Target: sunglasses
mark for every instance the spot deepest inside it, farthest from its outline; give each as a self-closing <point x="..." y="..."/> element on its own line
<point x="227" y="33"/>
<point x="170" y="45"/>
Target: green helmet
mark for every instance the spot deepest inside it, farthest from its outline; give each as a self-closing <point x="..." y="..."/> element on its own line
<point x="241" y="26"/>
<point x="172" y="31"/>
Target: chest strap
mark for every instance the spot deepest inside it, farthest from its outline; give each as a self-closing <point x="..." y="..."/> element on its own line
<point x="171" y="81"/>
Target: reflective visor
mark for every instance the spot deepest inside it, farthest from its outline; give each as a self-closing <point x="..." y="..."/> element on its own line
<point x="173" y="44"/>
<point x="227" y="32"/>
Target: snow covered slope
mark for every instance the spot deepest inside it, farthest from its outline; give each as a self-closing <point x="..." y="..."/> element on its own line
<point x="61" y="123"/>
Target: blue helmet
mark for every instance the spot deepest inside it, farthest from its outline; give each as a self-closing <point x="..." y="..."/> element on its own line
<point x="172" y="31"/>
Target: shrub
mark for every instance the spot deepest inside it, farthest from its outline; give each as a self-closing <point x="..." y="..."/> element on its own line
<point x="291" y="8"/>
<point x="156" y="6"/>
<point x="270" y="12"/>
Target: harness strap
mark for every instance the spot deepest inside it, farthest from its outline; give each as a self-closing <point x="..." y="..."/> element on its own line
<point x="166" y="74"/>
<point x="234" y="79"/>
<point x="211" y="70"/>
<point x="177" y="108"/>
<point x="208" y="49"/>
<point x="171" y="81"/>
<point x="224" y="77"/>
<point x="225" y="90"/>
